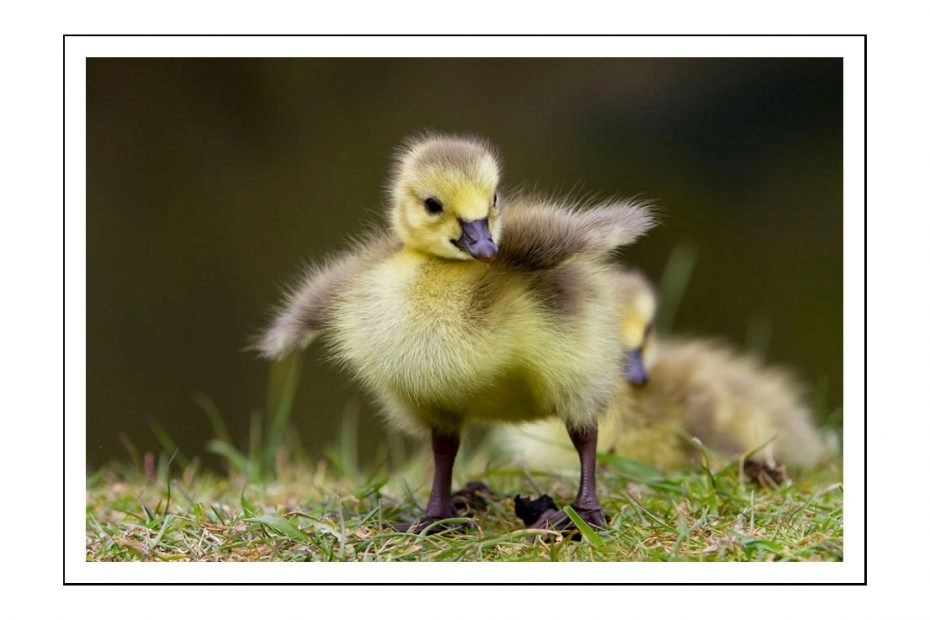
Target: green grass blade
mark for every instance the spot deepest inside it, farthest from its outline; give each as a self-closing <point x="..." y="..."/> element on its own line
<point x="280" y="525"/>
<point x="675" y="278"/>
<point x="236" y="458"/>
<point x="161" y="532"/>
<point x="167" y="443"/>
<point x="213" y="414"/>
<point x="283" y="388"/>
<point x="711" y="480"/>
<point x="256" y="458"/>
<point x="133" y="453"/>
<point x="248" y="508"/>
<point x="589" y="534"/>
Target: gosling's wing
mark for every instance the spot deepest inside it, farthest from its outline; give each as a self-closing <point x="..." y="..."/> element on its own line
<point x="309" y="304"/>
<point x="539" y="234"/>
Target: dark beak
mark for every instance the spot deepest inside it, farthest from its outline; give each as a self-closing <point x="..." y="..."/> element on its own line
<point x="635" y="370"/>
<point x="476" y="240"/>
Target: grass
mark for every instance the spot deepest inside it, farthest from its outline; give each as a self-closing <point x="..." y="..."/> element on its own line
<point x="316" y="512"/>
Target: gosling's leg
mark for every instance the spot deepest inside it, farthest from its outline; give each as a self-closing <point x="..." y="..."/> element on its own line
<point x="440" y="506"/>
<point x="586" y="504"/>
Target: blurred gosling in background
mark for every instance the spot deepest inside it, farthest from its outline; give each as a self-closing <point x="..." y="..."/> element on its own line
<point x="676" y="389"/>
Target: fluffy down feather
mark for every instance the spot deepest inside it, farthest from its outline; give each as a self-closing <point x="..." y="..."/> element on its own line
<point x="696" y="388"/>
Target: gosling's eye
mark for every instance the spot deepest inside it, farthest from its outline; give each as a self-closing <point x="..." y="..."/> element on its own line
<point x="433" y="206"/>
<point x="494" y="203"/>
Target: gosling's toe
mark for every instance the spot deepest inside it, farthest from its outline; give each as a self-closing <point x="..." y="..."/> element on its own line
<point x="433" y="524"/>
<point x="543" y="514"/>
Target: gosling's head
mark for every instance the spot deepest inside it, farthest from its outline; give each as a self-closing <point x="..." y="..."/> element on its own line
<point x="637" y="299"/>
<point x="443" y="197"/>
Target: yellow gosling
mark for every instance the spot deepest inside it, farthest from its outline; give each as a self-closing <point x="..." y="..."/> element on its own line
<point x="473" y="307"/>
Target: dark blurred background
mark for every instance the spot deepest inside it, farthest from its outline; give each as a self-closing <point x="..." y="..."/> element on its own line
<point x="211" y="181"/>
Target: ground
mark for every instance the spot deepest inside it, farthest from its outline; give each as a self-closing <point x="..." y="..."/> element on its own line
<point x="316" y="512"/>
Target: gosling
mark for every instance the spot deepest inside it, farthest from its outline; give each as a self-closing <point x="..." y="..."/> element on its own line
<point x="474" y="308"/>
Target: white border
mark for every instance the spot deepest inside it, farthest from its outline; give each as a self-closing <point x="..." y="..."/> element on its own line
<point x="851" y="49"/>
<point x="466" y="46"/>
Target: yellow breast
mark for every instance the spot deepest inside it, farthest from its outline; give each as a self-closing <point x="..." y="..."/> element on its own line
<point x="411" y="326"/>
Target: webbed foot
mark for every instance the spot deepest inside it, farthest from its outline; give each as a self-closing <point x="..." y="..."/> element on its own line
<point x="542" y="513"/>
<point x="766" y="474"/>
<point x="473" y="498"/>
<point x="560" y="521"/>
